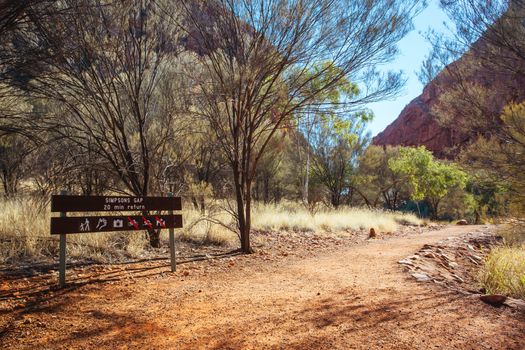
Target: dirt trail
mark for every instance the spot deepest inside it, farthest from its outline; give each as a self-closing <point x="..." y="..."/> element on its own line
<point x="349" y="298"/>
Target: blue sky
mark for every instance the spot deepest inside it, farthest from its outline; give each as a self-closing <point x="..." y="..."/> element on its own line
<point x="413" y="49"/>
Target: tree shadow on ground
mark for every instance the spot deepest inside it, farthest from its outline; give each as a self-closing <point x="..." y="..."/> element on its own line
<point x="101" y="330"/>
<point x="39" y="289"/>
<point x="353" y="322"/>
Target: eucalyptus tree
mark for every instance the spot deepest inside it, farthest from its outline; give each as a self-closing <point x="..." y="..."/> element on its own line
<point x="258" y="56"/>
<point x="429" y="179"/>
<point x="337" y="145"/>
<point x="377" y="183"/>
<point x="314" y="119"/>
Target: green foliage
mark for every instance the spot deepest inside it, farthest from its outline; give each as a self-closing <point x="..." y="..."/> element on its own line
<point x="460" y="204"/>
<point x="500" y="163"/>
<point x="429" y="179"/>
<point x="337" y="146"/>
<point x="334" y="138"/>
<point x="377" y="184"/>
<point x="323" y="74"/>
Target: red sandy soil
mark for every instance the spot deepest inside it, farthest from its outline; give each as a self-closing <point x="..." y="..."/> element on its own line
<point x="341" y="296"/>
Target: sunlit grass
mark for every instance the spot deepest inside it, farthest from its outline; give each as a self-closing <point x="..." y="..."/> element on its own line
<point x="504" y="271"/>
<point x="24" y="233"/>
<point x="25" y="224"/>
<point x="209" y="228"/>
<point x="295" y="217"/>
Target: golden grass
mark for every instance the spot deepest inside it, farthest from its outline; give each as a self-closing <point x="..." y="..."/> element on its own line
<point x="504" y="271"/>
<point x="206" y="229"/>
<point x="24" y="234"/>
<point x="294" y="217"/>
<point x="24" y="229"/>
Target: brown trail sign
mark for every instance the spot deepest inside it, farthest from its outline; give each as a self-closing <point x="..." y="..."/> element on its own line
<point x="113" y="203"/>
<point x="83" y="224"/>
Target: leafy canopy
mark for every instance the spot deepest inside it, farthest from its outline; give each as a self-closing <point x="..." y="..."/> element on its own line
<point x="428" y="178"/>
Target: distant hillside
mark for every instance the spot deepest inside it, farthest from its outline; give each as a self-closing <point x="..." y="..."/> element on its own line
<point x="417" y="125"/>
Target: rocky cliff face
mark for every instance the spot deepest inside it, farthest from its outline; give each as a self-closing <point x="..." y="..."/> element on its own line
<point x="416" y="126"/>
<point x="419" y="122"/>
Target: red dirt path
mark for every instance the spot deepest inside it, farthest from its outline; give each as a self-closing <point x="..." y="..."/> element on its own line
<point x="345" y="297"/>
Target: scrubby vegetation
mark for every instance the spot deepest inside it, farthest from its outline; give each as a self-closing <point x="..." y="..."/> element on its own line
<point x="490" y="34"/>
<point x="327" y="220"/>
<point x="98" y="100"/>
<point x="24" y="229"/>
<point x="200" y="98"/>
<point x="504" y="271"/>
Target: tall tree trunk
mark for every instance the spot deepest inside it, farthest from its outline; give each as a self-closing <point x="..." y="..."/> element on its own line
<point x="434" y="205"/>
<point x="243" y="210"/>
<point x="306" y="179"/>
<point x="245" y="238"/>
<point x="152" y="233"/>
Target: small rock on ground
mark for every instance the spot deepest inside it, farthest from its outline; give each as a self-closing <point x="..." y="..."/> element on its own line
<point x="421" y="277"/>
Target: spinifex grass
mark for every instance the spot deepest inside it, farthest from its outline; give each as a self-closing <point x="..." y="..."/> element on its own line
<point x="504" y="271"/>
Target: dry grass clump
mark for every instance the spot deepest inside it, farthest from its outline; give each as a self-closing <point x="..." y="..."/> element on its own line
<point x="504" y="268"/>
<point x="24" y="229"/>
<point x="513" y="233"/>
<point x="24" y="233"/>
<point x="296" y="218"/>
<point x="25" y="224"/>
<point x="211" y="228"/>
<point x="504" y="271"/>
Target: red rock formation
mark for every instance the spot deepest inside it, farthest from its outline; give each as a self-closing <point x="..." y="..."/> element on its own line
<point x="417" y="125"/>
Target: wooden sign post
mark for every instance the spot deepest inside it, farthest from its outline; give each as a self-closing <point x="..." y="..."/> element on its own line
<point x="172" y="242"/>
<point x="64" y="225"/>
<point x="62" y="254"/>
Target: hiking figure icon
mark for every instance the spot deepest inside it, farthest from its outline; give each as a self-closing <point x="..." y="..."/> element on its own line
<point x="84" y="226"/>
